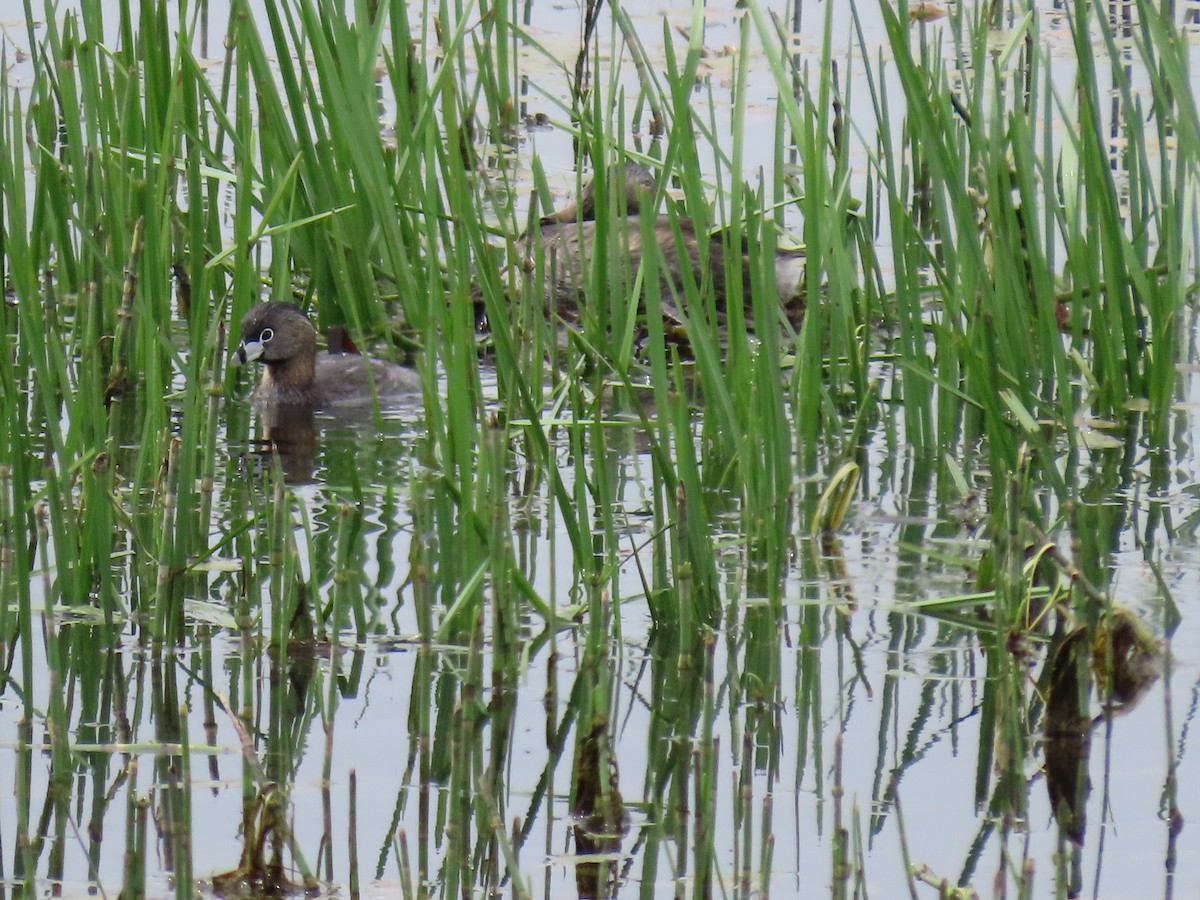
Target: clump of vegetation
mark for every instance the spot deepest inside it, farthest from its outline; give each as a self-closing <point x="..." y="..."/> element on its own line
<point x="997" y="269"/>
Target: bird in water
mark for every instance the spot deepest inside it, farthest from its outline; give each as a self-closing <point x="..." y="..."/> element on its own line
<point x="569" y="238"/>
<point x="295" y="374"/>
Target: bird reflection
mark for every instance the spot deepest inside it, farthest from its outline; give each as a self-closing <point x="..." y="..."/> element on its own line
<point x="289" y="434"/>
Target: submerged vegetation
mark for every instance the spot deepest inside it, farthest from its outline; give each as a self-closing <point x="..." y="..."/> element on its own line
<point x="648" y="507"/>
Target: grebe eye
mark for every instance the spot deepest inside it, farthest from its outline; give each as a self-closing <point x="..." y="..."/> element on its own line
<point x="265" y="335"/>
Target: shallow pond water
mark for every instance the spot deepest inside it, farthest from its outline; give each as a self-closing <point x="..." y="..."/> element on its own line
<point x="807" y="729"/>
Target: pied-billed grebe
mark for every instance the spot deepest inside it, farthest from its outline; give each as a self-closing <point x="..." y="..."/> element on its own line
<point x="570" y="233"/>
<point x="297" y="375"/>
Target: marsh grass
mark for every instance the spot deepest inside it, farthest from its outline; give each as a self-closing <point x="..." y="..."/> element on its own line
<point x="147" y="202"/>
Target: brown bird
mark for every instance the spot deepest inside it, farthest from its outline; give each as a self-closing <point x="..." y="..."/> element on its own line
<point x="569" y="237"/>
<point x="296" y="375"/>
